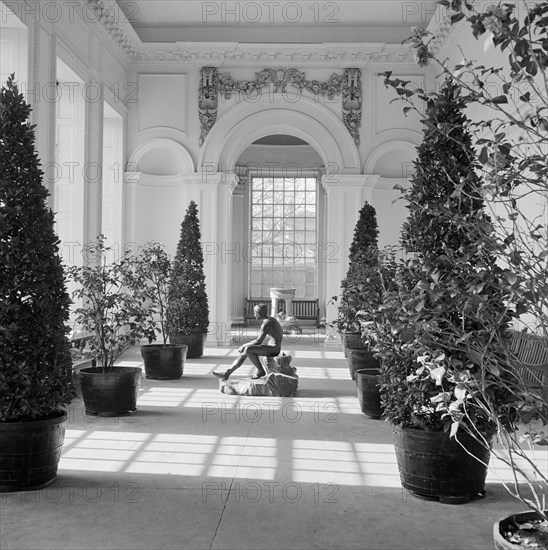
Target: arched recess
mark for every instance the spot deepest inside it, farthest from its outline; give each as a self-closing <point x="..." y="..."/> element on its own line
<point x="307" y="119"/>
<point x="385" y="150"/>
<point x="174" y="158"/>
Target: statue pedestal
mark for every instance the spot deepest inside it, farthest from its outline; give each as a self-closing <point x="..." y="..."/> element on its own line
<point x="288" y="322"/>
<point x="281" y="380"/>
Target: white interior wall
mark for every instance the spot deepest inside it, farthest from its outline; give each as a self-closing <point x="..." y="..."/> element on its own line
<point x="13" y="47"/>
<point x="167" y="168"/>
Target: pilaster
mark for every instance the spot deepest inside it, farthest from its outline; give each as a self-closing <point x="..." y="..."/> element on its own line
<point x="93" y="163"/>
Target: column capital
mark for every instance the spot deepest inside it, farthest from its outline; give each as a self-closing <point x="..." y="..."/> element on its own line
<point x="222" y="179"/>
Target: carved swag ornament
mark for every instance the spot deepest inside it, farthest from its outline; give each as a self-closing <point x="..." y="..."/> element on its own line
<point x="213" y="83"/>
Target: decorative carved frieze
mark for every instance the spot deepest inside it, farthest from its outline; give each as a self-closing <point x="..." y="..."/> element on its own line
<point x="208" y="100"/>
<point x="213" y="83"/>
<point x="248" y="55"/>
<point x="280" y="79"/>
<point x="352" y="102"/>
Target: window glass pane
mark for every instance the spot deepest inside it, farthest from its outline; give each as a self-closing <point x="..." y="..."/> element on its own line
<point x="283" y="235"/>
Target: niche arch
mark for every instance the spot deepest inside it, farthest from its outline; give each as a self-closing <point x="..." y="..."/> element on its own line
<point x="247" y="121"/>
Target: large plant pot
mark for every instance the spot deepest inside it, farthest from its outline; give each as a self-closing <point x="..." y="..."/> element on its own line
<point x="360" y="357"/>
<point x="112" y="393"/>
<point x="195" y="343"/>
<point x="164" y="362"/>
<point x="510" y="523"/>
<point x="350" y="339"/>
<point x="369" y="395"/>
<point x="435" y="466"/>
<point x="30" y="452"/>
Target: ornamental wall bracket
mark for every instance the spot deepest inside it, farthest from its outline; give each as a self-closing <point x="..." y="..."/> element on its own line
<point x="208" y="100"/>
<point x="352" y="102"/>
<point x="213" y="83"/>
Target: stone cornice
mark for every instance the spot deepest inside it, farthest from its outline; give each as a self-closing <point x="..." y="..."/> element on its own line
<point x="110" y="16"/>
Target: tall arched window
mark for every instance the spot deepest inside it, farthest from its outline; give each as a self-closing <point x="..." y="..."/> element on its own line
<point x="284" y="236"/>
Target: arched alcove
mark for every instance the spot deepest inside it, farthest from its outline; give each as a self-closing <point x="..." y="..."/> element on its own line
<point x="306" y="119"/>
<point x="161" y="157"/>
<point x="389" y="160"/>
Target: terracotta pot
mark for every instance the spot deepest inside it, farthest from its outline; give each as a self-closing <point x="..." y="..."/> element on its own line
<point x="30" y="452"/>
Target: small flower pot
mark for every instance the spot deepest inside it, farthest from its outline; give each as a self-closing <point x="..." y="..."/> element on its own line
<point x="510" y="524"/>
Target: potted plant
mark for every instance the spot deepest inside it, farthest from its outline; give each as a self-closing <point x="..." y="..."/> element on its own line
<point x="459" y="300"/>
<point x="114" y="317"/>
<point x="380" y="281"/>
<point x="162" y="361"/>
<point x="512" y="152"/>
<point x="187" y="308"/>
<point x="357" y="288"/>
<point x="35" y="360"/>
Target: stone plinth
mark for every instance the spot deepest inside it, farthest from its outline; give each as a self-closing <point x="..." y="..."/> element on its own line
<point x="281" y="380"/>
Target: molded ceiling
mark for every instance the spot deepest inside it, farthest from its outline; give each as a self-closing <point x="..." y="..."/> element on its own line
<point x="277" y="21"/>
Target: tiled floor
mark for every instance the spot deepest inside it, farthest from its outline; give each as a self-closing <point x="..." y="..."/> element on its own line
<point x="197" y="469"/>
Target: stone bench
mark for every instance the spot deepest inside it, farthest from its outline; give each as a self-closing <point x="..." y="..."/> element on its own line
<point x="281" y="380"/>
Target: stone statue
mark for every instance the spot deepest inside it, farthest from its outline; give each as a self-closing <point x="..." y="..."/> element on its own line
<point x="281" y="380"/>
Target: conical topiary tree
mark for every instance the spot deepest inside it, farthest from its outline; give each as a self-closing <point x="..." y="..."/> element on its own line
<point x="35" y="361"/>
<point x="359" y="289"/>
<point x="187" y="310"/>
<point x="451" y="290"/>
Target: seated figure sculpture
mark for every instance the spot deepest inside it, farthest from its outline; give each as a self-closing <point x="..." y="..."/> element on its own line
<point x="256" y="348"/>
